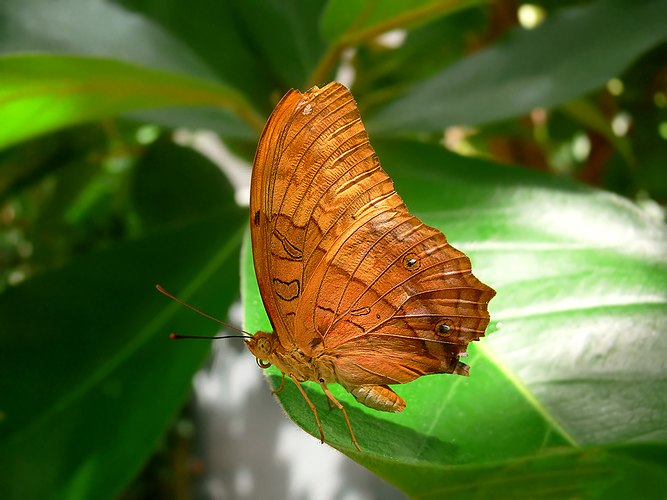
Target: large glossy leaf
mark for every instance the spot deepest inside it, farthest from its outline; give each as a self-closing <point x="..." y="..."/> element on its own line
<point x="95" y="28"/>
<point x="575" y="51"/>
<point x="89" y="380"/>
<point x="574" y="360"/>
<point x="104" y="381"/>
<point x="200" y="40"/>
<point x="40" y="93"/>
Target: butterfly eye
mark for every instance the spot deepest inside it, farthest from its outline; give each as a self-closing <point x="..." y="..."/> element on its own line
<point x="444" y="327"/>
<point x="264" y="348"/>
<point x="411" y="262"/>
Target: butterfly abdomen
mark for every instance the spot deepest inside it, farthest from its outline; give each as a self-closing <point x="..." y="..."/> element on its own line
<point x="378" y="397"/>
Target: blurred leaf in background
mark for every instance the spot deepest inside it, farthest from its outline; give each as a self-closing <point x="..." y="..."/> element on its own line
<point x="101" y="198"/>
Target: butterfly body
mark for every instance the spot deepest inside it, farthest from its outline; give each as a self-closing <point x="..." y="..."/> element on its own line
<point x="359" y="291"/>
<point x="267" y="349"/>
<point x="320" y="369"/>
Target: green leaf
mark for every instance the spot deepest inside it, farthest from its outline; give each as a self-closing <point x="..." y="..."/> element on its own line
<point x="174" y="185"/>
<point x="104" y="380"/>
<point x="345" y="20"/>
<point x="285" y="36"/>
<point x="572" y="365"/>
<point x="40" y="93"/>
<point x="197" y="41"/>
<point x="95" y="28"/>
<point x="215" y="32"/>
<point x="574" y="51"/>
<point x="89" y="380"/>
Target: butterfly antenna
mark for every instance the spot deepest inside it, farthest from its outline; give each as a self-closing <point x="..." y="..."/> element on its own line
<point x="177" y="336"/>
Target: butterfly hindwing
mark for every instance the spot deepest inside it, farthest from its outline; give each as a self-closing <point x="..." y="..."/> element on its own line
<point x="393" y="301"/>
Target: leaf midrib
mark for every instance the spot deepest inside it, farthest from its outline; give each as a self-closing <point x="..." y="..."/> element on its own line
<point x="493" y="357"/>
<point x="144" y="335"/>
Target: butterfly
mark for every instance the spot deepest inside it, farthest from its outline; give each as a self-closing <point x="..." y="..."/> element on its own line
<point x="359" y="292"/>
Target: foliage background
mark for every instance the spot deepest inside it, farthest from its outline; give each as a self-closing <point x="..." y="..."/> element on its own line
<point x="100" y="199"/>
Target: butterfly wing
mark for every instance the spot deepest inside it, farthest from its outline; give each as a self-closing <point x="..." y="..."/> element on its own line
<point x="313" y="170"/>
<point x="394" y="301"/>
<point x="385" y="297"/>
<point x="344" y="270"/>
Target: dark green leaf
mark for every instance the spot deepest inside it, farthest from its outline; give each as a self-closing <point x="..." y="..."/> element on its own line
<point x="104" y="379"/>
<point x="575" y="51"/>
<point x="94" y="28"/>
<point x="213" y="30"/>
<point x="284" y="35"/>
<point x="174" y="185"/>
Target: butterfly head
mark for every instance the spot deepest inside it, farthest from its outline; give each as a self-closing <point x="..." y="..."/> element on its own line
<point x="261" y="346"/>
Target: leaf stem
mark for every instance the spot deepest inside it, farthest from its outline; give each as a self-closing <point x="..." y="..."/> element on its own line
<point x="354" y="37"/>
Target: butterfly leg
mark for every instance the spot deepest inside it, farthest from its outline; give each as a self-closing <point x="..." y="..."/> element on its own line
<point x="341" y="408"/>
<point x="282" y="386"/>
<point x="312" y="406"/>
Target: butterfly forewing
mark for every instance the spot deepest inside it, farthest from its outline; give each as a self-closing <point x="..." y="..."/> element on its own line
<point x="314" y="171"/>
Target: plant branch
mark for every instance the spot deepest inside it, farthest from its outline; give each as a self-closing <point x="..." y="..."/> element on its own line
<point x="355" y="37"/>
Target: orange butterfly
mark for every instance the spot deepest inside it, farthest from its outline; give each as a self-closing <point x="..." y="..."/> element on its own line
<point x="359" y="292"/>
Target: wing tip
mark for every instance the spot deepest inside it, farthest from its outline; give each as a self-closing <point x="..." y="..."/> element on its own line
<point x="461" y="369"/>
